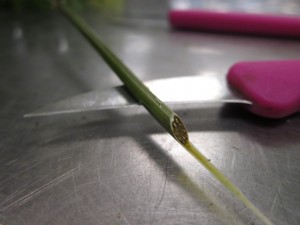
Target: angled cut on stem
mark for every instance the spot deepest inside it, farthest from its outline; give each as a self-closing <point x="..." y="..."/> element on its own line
<point x="160" y="111"/>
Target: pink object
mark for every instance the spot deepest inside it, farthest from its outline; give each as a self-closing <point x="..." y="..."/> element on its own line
<point x="272" y="86"/>
<point x="248" y="23"/>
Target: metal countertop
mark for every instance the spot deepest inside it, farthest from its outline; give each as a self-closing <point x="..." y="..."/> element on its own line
<point x="119" y="166"/>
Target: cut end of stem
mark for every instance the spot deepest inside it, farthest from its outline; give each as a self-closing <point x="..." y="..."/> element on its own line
<point x="179" y="130"/>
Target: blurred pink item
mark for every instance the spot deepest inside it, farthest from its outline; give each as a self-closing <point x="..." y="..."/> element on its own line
<point x="247" y="23"/>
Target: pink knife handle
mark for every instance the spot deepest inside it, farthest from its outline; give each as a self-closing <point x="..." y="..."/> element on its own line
<point x="265" y="24"/>
<point x="272" y="86"/>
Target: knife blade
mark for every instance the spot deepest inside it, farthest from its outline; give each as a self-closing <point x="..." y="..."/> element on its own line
<point x="268" y="88"/>
<point x="186" y="89"/>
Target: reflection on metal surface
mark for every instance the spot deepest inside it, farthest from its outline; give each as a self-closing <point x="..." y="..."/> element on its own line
<point x="206" y="87"/>
<point x="136" y="43"/>
<point x="204" y="50"/>
<point x="17" y="33"/>
<point x="183" y="4"/>
<point x="20" y="42"/>
<point x="63" y="45"/>
<point x="135" y="49"/>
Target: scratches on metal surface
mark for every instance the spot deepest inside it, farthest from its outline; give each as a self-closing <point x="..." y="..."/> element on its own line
<point x="124" y="217"/>
<point x="113" y="193"/>
<point x="164" y="186"/>
<point x="113" y="156"/>
<point x="233" y="161"/>
<point x="5" y="181"/>
<point x="275" y="200"/>
<point x="17" y="174"/>
<point x="75" y="190"/>
<point x="121" y="215"/>
<point x="98" y="167"/>
<point x="11" y="162"/>
<point x="34" y="193"/>
<point x="262" y="157"/>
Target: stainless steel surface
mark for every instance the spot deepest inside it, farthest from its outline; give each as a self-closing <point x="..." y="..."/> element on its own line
<point x="179" y="90"/>
<point x="119" y="166"/>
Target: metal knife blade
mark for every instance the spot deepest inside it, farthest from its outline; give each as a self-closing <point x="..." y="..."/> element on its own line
<point x="186" y="89"/>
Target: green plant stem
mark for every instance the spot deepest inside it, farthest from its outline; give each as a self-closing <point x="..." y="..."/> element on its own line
<point x="225" y="181"/>
<point x="161" y="112"/>
<point x="142" y="94"/>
